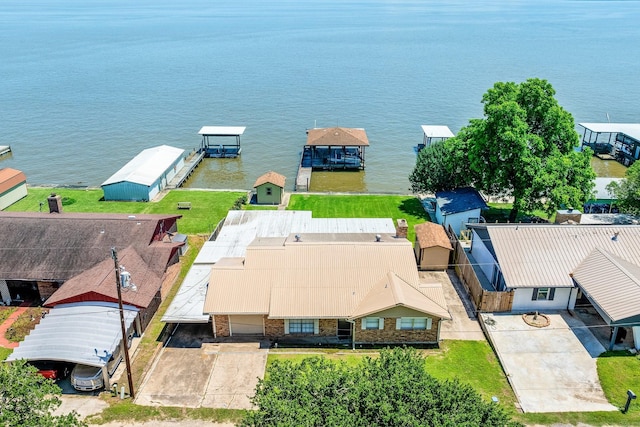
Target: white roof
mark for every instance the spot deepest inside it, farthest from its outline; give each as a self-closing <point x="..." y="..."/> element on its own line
<point x="437" y="131"/>
<point x="222" y="130"/>
<point x="85" y="333"/>
<point x="148" y="166"/>
<point x="239" y="229"/>
<point x="630" y="129"/>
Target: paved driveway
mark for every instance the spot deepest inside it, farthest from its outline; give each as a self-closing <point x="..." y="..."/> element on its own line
<point x="549" y="368"/>
<point x="213" y="375"/>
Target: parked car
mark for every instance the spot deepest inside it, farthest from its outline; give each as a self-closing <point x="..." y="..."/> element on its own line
<point x="52" y="370"/>
<point x="89" y="378"/>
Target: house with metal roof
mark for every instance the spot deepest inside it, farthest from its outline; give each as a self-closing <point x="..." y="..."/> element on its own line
<point x="432" y="246"/>
<point x="236" y="232"/>
<point x="144" y="176"/>
<point x="13" y="186"/>
<point x="269" y="188"/>
<point x="549" y="266"/>
<point x="356" y="287"/>
<point x="458" y="207"/>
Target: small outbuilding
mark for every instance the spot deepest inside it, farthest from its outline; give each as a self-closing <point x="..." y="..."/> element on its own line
<point x="432" y="247"/>
<point x="459" y="207"/>
<point x="145" y="175"/>
<point x="269" y="188"/>
<point x="13" y="186"/>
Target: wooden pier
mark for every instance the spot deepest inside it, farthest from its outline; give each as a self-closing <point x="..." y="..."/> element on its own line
<point x="189" y="166"/>
<point x="5" y="149"/>
<point x="303" y="180"/>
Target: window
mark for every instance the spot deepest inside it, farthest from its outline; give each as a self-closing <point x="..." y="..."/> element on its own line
<point x="413" y="323"/>
<point x="544" y="294"/>
<point x="301" y="326"/>
<point x="268" y="191"/>
<point x="373" y="323"/>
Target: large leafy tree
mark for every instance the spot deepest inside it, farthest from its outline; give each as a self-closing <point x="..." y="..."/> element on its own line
<point x="627" y="191"/>
<point x="27" y="398"/>
<point x="391" y="390"/>
<point x="523" y="149"/>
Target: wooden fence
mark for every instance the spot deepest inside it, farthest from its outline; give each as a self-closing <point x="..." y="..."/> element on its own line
<point x="484" y="300"/>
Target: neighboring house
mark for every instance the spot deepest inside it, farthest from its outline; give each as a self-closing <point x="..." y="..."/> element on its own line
<point x="320" y="287"/>
<point x="48" y="249"/>
<point x="13" y="187"/>
<point x="269" y="188"/>
<point x="232" y="237"/>
<point x="144" y="176"/>
<point x="456" y="208"/>
<point x="536" y="261"/>
<point x="612" y="286"/>
<point x="432" y="247"/>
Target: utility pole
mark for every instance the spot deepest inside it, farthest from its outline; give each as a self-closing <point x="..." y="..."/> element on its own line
<point x="125" y="340"/>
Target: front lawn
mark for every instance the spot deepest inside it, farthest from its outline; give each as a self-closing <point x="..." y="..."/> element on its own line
<point x="365" y="206"/>
<point x="207" y="207"/>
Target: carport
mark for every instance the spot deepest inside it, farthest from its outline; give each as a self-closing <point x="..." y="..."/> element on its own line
<point x="83" y="333"/>
<point x="612" y="286"/>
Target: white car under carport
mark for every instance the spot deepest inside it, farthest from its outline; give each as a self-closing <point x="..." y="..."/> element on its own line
<point x="86" y="333"/>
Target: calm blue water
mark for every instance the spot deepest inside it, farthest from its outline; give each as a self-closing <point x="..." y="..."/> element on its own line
<point x="85" y="86"/>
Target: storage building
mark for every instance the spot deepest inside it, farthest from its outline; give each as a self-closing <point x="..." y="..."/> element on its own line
<point x="145" y="175"/>
<point x="13" y="187"/>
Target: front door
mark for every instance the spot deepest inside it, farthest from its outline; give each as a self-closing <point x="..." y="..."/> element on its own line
<point x="344" y="329"/>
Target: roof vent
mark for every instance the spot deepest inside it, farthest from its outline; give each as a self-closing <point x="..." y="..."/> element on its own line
<point x="298" y="239"/>
<point x="378" y="238"/>
<point x="615" y="236"/>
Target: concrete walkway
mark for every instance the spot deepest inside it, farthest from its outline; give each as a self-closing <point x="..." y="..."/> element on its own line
<point x="549" y="368"/>
<point x="6" y="325"/>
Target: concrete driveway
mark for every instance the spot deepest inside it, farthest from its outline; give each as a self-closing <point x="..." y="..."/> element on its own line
<point x="200" y="374"/>
<point x="550" y="369"/>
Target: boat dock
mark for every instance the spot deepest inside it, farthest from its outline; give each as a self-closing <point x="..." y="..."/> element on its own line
<point x="5" y="149"/>
<point x="221" y="133"/>
<point x="192" y="162"/>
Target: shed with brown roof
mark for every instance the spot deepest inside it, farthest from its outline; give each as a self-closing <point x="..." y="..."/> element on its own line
<point x="13" y="186"/>
<point x="269" y="188"/>
<point x="432" y="247"/>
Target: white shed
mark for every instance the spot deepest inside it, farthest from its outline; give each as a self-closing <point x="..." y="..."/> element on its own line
<point x="459" y="207"/>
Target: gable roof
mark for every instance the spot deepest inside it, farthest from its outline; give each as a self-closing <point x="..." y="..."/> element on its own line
<point x="391" y="291"/>
<point x="430" y="234"/>
<point x="9" y="178"/>
<point x="270" y="177"/>
<point x="337" y="136"/>
<point x="99" y="283"/>
<point x="541" y="255"/>
<point x="57" y="247"/>
<point x="612" y="284"/>
<point x="459" y="200"/>
<point x="315" y="276"/>
<point x="147" y="166"/>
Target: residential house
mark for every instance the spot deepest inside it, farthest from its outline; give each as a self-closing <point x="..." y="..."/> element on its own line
<point x="359" y="287"/>
<point x="456" y="208"/>
<point x="13" y="187"/>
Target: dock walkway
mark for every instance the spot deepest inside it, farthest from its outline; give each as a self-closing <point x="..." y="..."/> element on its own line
<point x="187" y="170"/>
<point x="303" y="180"/>
<point x="5" y="149"/>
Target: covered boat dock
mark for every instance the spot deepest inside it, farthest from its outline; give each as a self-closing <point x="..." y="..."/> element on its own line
<point x="221" y="150"/>
<point x="432" y="134"/>
<point x="613" y="141"/>
<point x="334" y="148"/>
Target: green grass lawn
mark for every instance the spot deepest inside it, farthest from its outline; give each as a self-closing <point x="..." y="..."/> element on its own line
<point x="356" y="206"/>
<point x="472" y="362"/>
<point x="500" y="212"/>
<point x="4" y="353"/>
<point x="207" y="207"/>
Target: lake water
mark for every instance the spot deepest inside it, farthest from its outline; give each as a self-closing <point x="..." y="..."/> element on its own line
<point x="85" y="86"/>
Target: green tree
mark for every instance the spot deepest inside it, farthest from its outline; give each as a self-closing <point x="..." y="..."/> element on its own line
<point x="523" y="149"/>
<point x="627" y="191"/>
<point x="27" y="398"/>
<point x="391" y="390"/>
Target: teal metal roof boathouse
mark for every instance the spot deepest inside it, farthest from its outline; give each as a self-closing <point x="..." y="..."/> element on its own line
<point x="144" y="176"/>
